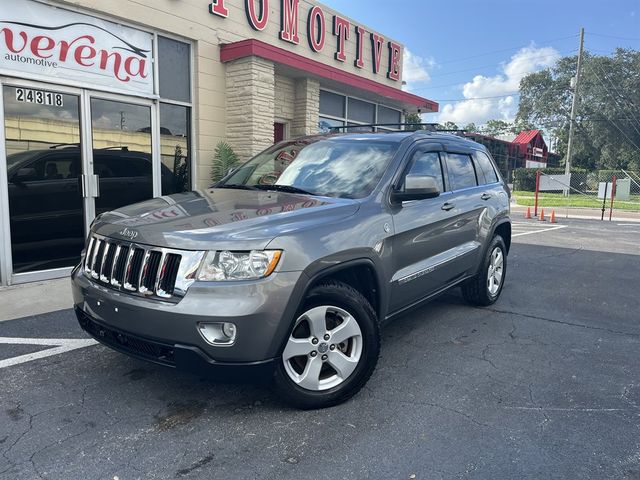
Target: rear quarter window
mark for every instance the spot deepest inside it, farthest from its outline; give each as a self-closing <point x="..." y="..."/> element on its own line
<point x="486" y="166"/>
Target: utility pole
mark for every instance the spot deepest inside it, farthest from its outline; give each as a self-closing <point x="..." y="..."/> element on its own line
<point x="574" y="106"/>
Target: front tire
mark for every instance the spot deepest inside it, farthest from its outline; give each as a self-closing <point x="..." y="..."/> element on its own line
<point x="332" y="348"/>
<point x="485" y="287"/>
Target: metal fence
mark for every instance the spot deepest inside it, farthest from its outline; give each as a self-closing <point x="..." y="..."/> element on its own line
<point x="584" y="190"/>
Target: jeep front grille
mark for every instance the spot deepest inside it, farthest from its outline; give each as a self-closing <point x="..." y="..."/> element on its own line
<point x="140" y="269"/>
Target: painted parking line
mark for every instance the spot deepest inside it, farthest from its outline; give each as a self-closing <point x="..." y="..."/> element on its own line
<point x="541" y="230"/>
<point x="59" y="345"/>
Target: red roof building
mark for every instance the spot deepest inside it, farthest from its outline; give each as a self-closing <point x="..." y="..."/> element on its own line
<point x="527" y="150"/>
<point x="531" y="148"/>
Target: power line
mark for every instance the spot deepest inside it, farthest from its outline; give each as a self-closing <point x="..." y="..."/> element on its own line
<point x="613" y="36"/>
<point x="457" y="100"/>
<point x="484" y="54"/>
<point x="496" y="64"/>
<point x="615" y="100"/>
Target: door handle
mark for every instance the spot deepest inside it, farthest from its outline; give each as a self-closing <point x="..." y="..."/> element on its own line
<point x="83" y="186"/>
<point x="448" y="206"/>
<point x="95" y="185"/>
<point x="486" y="196"/>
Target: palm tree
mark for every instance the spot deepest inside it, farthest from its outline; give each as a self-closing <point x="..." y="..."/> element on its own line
<point x="224" y="159"/>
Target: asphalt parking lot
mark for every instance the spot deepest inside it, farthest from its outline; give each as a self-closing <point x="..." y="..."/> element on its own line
<point x="544" y="384"/>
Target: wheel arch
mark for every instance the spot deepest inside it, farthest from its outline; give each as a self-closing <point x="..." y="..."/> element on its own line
<point x="503" y="228"/>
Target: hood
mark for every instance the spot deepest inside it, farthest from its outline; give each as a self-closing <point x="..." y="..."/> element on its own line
<point x="220" y="219"/>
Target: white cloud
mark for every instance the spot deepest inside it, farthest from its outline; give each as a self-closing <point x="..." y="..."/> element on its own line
<point x="525" y="61"/>
<point x="415" y="69"/>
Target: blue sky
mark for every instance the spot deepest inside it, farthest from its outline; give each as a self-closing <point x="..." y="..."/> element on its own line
<point x="475" y="49"/>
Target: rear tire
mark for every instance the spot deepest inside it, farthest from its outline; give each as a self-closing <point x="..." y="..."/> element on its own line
<point x="331" y="350"/>
<point x="484" y="288"/>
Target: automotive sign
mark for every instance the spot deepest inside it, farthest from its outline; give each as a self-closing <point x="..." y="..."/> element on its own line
<point x="62" y="45"/>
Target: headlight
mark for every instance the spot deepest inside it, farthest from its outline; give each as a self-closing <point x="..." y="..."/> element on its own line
<point x="226" y="265"/>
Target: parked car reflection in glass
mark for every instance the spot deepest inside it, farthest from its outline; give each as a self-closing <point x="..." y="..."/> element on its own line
<point x="46" y="203"/>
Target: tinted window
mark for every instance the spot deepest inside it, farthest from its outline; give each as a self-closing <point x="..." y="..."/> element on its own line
<point x="427" y="163"/>
<point x="461" y="171"/>
<point x="388" y="115"/>
<point x="175" y="148"/>
<point x="173" y="69"/>
<point x="486" y="167"/>
<point x="360" y="111"/>
<point x="331" y="104"/>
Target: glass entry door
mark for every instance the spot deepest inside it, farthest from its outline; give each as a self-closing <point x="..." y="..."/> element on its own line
<point x="71" y="154"/>
<point x="122" y="153"/>
<point x="44" y="164"/>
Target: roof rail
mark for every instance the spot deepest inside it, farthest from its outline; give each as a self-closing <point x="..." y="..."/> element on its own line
<point x="64" y="145"/>
<point x="432" y="127"/>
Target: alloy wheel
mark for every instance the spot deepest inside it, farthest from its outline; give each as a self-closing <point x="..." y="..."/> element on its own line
<point x="323" y="349"/>
<point x="495" y="271"/>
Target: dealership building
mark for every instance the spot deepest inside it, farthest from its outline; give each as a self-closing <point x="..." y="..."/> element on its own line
<point x="109" y="103"/>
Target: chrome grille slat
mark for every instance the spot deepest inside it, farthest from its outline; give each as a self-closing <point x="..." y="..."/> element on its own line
<point x="145" y="271"/>
<point x="161" y="268"/>
<point x="105" y="261"/>
<point x="89" y="256"/>
<point x="96" y="250"/>
<point x="116" y="257"/>
<point x="127" y="270"/>
<point x="161" y="274"/>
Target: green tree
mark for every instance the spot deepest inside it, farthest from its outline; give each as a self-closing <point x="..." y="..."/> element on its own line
<point x="607" y="133"/>
<point x="471" y="127"/>
<point x="496" y="127"/>
<point x="224" y="159"/>
<point x="413" y="121"/>
<point x="448" y="126"/>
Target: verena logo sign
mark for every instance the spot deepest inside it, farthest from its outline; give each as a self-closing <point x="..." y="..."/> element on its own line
<point x="258" y="13"/>
<point x="57" y="43"/>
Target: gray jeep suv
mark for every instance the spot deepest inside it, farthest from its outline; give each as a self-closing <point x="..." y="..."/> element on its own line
<point x="290" y="264"/>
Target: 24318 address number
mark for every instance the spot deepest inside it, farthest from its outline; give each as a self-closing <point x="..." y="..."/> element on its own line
<point x="39" y="97"/>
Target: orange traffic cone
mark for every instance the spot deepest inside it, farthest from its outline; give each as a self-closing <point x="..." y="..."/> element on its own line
<point x="542" y="215"/>
<point x="528" y="214"/>
<point x="553" y="216"/>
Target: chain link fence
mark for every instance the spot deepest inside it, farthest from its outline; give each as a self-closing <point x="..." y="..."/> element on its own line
<point x="579" y="190"/>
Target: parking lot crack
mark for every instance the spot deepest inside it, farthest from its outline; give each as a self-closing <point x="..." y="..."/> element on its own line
<point x="562" y="322"/>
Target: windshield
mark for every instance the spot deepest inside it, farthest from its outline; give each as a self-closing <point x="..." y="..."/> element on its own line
<point x="333" y="168"/>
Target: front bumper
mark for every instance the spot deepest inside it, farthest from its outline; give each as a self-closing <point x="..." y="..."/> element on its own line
<point x="262" y="311"/>
<point x="184" y="357"/>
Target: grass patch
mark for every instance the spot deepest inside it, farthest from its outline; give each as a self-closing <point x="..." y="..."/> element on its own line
<point x="545" y="199"/>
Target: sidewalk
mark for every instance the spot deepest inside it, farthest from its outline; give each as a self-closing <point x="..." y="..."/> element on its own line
<point x="27" y="299"/>
<point x="584" y="213"/>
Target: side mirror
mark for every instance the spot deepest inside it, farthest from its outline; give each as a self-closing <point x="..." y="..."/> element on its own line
<point x="24" y="175"/>
<point x="417" y="187"/>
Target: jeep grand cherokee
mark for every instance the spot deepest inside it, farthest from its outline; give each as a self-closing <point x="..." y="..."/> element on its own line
<point x="291" y="263"/>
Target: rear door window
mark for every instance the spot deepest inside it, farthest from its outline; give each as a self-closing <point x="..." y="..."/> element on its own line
<point x="462" y="173"/>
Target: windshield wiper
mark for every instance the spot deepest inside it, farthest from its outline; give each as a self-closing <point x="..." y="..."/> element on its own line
<point x="236" y="186"/>
<point x="284" y="188"/>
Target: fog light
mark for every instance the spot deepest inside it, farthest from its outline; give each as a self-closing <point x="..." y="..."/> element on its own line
<point x="222" y="333"/>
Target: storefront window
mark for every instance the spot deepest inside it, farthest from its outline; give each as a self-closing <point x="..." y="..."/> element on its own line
<point x="361" y="112"/>
<point x="331" y="104"/>
<point x="174" y="69"/>
<point x="388" y="115"/>
<point x="338" y="110"/>
<point x="175" y="148"/>
<point x="175" y="114"/>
